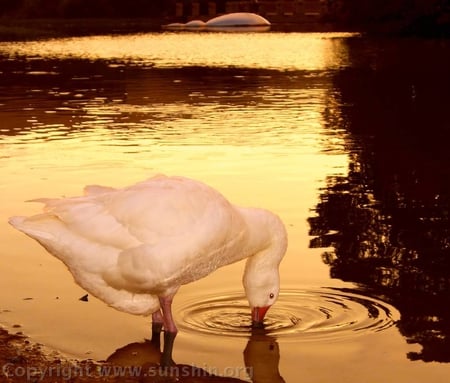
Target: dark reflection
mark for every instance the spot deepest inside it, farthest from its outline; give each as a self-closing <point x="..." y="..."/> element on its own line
<point x="136" y="354"/>
<point x="140" y="360"/>
<point x="262" y="357"/>
<point x="388" y="220"/>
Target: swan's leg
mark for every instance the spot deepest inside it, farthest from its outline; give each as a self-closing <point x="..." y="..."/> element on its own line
<point x="157" y="325"/>
<point x="170" y="331"/>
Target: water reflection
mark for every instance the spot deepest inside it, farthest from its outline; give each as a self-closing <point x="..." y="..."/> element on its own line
<point x="139" y="361"/>
<point x="280" y="51"/>
<point x="175" y="105"/>
<point x="261" y="360"/>
<point x="388" y="220"/>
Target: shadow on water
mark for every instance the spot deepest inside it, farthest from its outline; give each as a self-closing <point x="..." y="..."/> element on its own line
<point x="261" y="359"/>
<point x="387" y="222"/>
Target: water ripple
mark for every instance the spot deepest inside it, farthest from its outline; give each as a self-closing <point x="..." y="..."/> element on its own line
<point x="310" y="314"/>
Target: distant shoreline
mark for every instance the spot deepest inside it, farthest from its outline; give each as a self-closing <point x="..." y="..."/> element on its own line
<point x="23" y="29"/>
<point x="36" y="29"/>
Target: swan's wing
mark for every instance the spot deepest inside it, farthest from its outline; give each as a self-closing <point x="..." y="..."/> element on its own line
<point x="159" y="211"/>
<point x="159" y="232"/>
<point x="162" y="208"/>
<point x="173" y="213"/>
<point x="185" y="228"/>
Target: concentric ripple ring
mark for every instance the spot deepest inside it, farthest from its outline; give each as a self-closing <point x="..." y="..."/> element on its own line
<point x="309" y="314"/>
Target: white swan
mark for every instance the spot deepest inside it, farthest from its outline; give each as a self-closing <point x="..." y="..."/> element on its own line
<point x="134" y="247"/>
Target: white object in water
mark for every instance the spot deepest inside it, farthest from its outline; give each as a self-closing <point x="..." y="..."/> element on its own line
<point x="239" y="19"/>
<point x="195" y="24"/>
<point x="174" y="26"/>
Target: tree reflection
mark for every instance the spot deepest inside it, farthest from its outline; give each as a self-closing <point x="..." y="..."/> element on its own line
<point x="388" y="220"/>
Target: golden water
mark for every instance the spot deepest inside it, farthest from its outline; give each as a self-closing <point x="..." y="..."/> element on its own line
<point x="258" y="117"/>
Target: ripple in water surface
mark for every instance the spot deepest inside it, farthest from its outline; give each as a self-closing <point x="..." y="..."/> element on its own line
<point x="310" y="314"/>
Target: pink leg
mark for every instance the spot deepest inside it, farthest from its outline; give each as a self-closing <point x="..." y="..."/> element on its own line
<point x="157" y="318"/>
<point x="166" y="307"/>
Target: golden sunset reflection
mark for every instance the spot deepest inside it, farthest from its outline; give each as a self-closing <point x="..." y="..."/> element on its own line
<point x="271" y="120"/>
<point x="309" y="51"/>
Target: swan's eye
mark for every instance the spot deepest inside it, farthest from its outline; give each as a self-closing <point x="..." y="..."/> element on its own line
<point x="271" y="295"/>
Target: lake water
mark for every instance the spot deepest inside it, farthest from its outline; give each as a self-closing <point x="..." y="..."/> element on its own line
<point x="344" y="137"/>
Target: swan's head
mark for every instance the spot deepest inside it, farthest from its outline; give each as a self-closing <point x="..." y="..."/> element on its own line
<point x="262" y="291"/>
<point x="267" y="240"/>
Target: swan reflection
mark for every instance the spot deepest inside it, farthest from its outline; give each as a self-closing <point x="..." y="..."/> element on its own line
<point x="262" y="357"/>
<point x="141" y="359"/>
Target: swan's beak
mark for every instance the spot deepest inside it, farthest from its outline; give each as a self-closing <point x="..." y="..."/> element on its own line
<point x="258" y="314"/>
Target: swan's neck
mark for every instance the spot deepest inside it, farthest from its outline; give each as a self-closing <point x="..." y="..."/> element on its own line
<point x="267" y="243"/>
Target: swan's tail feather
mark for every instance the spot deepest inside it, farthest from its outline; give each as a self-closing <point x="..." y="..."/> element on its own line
<point x="16" y="221"/>
<point x="36" y="226"/>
